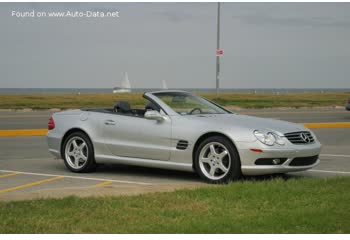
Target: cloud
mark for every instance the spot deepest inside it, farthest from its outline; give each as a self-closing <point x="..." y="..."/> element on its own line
<point x="188" y="12"/>
<point x="174" y="16"/>
<point x="316" y="21"/>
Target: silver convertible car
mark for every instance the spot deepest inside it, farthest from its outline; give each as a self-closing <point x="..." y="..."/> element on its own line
<point x="181" y="131"/>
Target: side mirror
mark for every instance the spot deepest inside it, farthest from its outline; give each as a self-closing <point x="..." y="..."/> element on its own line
<point x="154" y="115"/>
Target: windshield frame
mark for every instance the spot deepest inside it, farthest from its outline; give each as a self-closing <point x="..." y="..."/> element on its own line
<point x="212" y="105"/>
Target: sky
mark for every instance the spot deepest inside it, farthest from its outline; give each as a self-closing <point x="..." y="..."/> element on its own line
<point x="266" y="45"/>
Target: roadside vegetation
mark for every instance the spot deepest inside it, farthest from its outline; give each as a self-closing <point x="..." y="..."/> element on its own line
<point x="70" y="101"/>
<point x="270" y="206"/>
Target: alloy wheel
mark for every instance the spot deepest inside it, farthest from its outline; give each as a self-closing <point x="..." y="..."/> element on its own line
<point x="214" y="160"/>
<point x="76" y="152"/>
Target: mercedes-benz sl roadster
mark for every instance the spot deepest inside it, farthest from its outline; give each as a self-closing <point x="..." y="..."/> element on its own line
<point x="181" y="131"/>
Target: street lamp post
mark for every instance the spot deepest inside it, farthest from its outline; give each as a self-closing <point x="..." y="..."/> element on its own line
<point x="218" y="48"/>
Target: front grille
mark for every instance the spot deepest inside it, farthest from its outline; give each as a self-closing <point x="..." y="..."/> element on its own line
<point x="303" y="161"/>
<point x="182" y="145"/>
<point x="303" y="137"/>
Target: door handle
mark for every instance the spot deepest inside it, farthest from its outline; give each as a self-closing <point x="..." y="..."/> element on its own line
<point x="109" y="122"/>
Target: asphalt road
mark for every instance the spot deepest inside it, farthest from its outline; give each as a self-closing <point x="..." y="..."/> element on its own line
<point x="25" y="161"/>
<point x="39" y="119"/>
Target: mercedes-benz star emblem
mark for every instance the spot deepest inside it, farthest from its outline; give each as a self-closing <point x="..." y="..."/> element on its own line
<point x="305" y="137"/>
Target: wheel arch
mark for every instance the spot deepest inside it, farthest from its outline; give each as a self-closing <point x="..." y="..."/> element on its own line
<point x="69" y="132"/>
<point x="210" y="134"/>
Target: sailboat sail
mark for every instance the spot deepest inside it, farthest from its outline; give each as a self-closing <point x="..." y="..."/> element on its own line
<point x="164" y="85"/>
<point x="125" y="82"/>
<point x="125" y="86"/>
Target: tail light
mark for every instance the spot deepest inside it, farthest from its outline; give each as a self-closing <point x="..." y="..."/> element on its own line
<point x="51" y="124"/>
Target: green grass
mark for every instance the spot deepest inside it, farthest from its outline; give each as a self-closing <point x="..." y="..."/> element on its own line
<point x="274" y="206"/>
<point x="107" y="100"/>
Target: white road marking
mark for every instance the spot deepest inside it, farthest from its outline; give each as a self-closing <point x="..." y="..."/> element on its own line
<point x="143" y="183"/>
<point x="32" y="159"/>
<point x="324" y="171"/>
<point x="334" y="155"/>
<point x="75" y="177"/>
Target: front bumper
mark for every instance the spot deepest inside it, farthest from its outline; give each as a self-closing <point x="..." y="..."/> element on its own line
<point x="248" y="159"/>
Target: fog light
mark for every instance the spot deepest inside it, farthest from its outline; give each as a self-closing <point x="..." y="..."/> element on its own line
<point x="276" y="161"/>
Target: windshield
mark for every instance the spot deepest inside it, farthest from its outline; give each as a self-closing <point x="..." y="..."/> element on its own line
<point x="187" y="104"/>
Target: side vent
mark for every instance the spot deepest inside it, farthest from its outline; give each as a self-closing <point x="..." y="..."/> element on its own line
<point x="182" y="145"/>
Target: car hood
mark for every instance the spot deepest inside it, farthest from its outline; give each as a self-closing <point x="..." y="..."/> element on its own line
<point x="250" y="123"/>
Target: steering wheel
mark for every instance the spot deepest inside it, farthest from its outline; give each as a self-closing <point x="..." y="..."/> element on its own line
<point x="195" y="109"/>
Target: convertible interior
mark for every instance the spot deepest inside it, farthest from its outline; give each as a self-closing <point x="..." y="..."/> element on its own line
<point x="123" y="107"/>
<point x="182" y="104"/>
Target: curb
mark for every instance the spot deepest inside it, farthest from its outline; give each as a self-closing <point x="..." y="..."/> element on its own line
<point x="24" y="133"/>
<point x="327" y="125"/>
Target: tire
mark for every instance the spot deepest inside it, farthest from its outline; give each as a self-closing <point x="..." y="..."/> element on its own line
<point x="78" y="153"/>
<point x="217" y="160"/>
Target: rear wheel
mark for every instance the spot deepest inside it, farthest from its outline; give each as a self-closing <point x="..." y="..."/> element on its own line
<point x="78" y="153"/>
<point x="217" y="160"/>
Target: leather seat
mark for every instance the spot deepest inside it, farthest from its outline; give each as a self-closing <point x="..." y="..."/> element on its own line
<point x="122" y="107"/>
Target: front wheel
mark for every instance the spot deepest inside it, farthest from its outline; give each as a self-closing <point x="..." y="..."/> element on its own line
<point x="78" y="153"/>
<point x="217" y="160"/>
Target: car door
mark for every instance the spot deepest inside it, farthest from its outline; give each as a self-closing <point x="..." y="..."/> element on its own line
<point x="137" y="137"/>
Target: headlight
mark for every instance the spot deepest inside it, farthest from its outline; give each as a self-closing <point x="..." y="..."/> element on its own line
<point x="313" y="135"/>
<point x="268" y="138"/>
